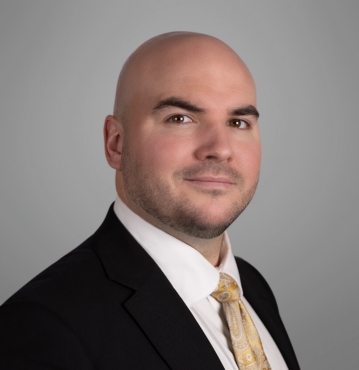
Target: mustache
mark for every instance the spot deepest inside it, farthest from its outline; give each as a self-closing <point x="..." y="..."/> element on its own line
<point x="210" y="168"/>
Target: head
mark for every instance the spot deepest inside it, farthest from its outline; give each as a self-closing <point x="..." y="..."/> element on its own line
<point x="184" y="137"/>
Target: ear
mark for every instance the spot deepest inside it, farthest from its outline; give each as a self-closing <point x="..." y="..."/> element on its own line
<point x="113" y="134"/>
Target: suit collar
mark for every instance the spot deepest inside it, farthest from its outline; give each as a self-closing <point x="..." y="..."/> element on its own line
<point x="124" y="260"/>
<point x="155" y="305"/>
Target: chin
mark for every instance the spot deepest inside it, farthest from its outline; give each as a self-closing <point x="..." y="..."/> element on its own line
<point x="202" y="224"/>
<point x="204" y="230"/>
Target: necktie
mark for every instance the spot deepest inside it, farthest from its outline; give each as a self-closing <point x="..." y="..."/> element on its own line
<point x="247" y="346"/>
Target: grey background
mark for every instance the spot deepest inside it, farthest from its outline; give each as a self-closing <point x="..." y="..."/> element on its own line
<point x="58" y="69"/>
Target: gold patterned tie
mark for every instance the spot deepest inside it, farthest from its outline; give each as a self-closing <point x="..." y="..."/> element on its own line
<point x="247" y="346"/>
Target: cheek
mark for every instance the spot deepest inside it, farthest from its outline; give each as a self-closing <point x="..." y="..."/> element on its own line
<point x="249" y="159"/>
<point x="163" y="154"/>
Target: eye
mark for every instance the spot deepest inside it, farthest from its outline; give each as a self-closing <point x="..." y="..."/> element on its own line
<point x="238" y="123"/>
<point x="179" y="118"/>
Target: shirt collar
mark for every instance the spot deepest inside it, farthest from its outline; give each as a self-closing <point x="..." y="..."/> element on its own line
<point x="191" y="275"/>
<point x="228" y="263"/>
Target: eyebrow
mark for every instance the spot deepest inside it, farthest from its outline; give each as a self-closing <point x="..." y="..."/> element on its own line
<point x="248" y="110"/>
<point x="179" y="103"/>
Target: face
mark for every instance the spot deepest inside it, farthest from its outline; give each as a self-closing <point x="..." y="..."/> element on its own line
<point x="191" y="149"/>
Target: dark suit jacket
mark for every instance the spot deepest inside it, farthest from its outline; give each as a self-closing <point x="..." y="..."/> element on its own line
<point x="107" y="305"/>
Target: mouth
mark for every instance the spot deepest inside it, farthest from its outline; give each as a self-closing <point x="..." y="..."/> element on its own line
<point x="211" y="182"/>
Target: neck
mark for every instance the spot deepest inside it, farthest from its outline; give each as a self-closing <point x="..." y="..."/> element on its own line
<point x="209" y="248"/>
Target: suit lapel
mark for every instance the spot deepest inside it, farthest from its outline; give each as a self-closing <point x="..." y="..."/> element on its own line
<point x="155" y="306"/>
<point x="171" y="327"/>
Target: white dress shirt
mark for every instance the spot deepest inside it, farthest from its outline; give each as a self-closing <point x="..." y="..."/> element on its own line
<point x="194" y="279"/>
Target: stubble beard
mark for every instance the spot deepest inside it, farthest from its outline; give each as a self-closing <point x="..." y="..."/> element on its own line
<point x="153" y="195"/>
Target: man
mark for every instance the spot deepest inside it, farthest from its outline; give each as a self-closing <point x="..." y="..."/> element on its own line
<point x="147" y="290"/>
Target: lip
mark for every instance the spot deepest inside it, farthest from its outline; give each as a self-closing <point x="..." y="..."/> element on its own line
<point x="211" y="182"/>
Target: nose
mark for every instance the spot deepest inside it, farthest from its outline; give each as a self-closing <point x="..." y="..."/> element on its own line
<point x="214" y="144"/>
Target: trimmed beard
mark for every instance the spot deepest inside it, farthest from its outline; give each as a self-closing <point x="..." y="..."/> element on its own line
<point x="153" y="195"/>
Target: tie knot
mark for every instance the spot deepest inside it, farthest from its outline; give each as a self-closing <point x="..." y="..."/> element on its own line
<point x="227" y="289"/>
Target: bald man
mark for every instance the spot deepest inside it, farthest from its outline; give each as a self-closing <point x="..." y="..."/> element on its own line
<point x="144" y="292"/>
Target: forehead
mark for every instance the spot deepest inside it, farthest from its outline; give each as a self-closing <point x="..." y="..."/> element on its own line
<point x="207" y="73"/>
<point x="204" y="84"/>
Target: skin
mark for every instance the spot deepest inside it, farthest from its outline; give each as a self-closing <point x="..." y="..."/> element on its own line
<point x="184" y="137"/>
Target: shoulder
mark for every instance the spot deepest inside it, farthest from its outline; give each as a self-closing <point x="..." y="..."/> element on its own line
<point x="64" y="275"/>
<point x="77" y="276"/>
<point x="61" y="311"/>
<point x="77" y="280"/>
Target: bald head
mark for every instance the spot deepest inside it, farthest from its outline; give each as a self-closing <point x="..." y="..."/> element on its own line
<point x="186" y="55"/>
<point x="184" y="138"/>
